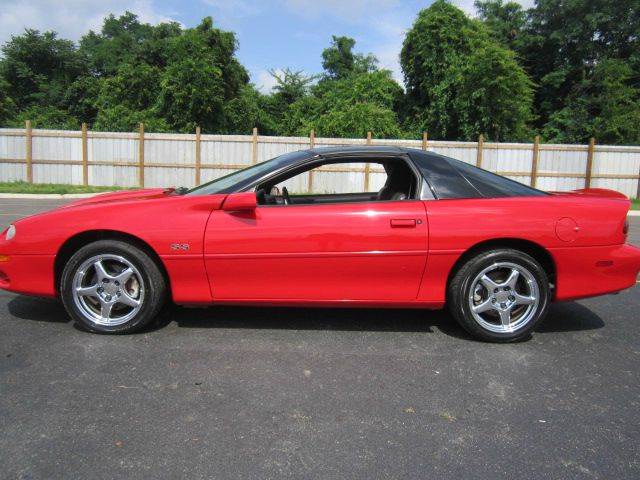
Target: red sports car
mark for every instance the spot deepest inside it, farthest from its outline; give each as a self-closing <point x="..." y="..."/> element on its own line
<point x="438" y="232"/>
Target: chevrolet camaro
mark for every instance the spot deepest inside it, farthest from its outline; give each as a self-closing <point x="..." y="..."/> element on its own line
<point x="437" y="232"/>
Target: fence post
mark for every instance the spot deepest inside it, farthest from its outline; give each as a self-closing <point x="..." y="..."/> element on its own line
<point x="367" y="167"/>
<point x="28" y="151"/>
<point x="198" y="157"/>
<point x="312" y="143"/>
<point x="254" y="146"/>
<point x="141" y="156"/>
<point x="587" y="178"/>
<point x="480" y="147"/>
<point x="534" y="161"/>
<point x="425" y="140"/>
<point x="85" y="155"/>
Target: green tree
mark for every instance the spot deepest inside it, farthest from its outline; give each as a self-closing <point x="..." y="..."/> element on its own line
<point x="8" y="108"/>
<point x="605" y="106"/>
<point x="348" y="107"/>
<point x="460" y="81"/>
<point x="45" y="116"/>
<point x="564" y="41"/>
<point x="250" y="109"/>
<point x="38" y="68"/>
<point x="506" y="20"/>
<point x="339" y="61"/>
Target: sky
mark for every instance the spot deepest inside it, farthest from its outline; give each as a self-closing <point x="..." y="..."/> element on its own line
<point x="272" y="34"/>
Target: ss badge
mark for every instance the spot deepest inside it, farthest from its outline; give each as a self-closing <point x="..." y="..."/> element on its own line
<point x="180" y="246"/>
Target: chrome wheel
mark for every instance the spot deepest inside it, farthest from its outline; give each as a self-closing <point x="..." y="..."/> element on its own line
<point x="108" y="290"/>
<point x="504" y="297"/>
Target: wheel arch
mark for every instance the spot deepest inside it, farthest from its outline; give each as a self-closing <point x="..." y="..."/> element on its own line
<point x="535" y="250"/>
<point x="79" y="240"/>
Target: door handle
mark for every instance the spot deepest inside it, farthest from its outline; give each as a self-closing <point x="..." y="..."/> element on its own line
<point x="403" y="222"/>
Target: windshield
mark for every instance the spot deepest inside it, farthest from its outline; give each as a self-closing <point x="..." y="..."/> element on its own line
<point x="239" y="179"/>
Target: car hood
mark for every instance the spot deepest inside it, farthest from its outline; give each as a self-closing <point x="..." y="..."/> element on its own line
<point x="123" y="195"/>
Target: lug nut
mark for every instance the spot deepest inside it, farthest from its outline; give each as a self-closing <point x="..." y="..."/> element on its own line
<point x="495" y="291"/>
<point x="503" y="305"/>
<point x="512" y="298"/>
<point x="117" y="283"/>
<point x="493" y="300"/>
<point x="105" y="280"/>
<point x="108" y="298"/>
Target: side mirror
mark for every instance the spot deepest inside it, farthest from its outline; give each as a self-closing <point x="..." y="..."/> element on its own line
<point x="240" y="202"/>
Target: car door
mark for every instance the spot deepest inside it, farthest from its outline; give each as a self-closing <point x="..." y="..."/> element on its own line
<point x="369" y="251"/>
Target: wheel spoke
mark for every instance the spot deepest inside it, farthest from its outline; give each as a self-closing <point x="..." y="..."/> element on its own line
<point x="105" y="310"/>
<point x="125" y="275"/>
<point x="505" y="318"/>
<point x="127" y="299"/>
<point x="100" y="270"/>
<point x="90" y="291"/>
<point x="488" y="283"/>
<point x="484" y="306"/>
<point x="513" y="279"/>
<point x="524" y="299"/>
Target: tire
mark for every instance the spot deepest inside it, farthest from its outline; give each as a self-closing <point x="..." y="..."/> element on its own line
<point x="117" y="279"/>
<point x="493" y="303"/>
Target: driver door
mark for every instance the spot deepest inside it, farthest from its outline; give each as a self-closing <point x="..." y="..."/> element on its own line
<point x="336" y="250"/>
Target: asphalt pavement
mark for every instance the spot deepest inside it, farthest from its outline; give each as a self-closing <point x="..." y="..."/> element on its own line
<point x="270" y="393"/>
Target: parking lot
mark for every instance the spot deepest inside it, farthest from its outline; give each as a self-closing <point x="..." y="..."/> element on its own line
<point x="312" y="393"/>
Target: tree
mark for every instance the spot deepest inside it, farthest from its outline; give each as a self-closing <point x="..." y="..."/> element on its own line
<point x="460" y="81"/>
<point x="605" y="106"/>
<point x="339" y="61"/>
<point x="348" y="107"/>
<point x="7" y="105"/>
<point x="45" y="116"/>
<point x="505" y="20"/>
<point x="38" y="68"/>
<point x="564" y="41"/>
<point x="250" y="109"/>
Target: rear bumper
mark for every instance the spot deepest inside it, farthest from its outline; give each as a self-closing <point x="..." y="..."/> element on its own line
<point x="591" y="271"/>
<point x="28" y="274"/>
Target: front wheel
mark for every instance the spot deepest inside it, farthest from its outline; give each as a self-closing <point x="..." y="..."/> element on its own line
<point x="111" y="286"/>
<point x="499" y="295"/>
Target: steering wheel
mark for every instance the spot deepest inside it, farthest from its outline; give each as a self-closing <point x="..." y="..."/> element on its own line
<point x="285" y="196"/>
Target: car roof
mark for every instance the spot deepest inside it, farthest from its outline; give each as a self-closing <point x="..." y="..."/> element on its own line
<point x="355" y="149"/>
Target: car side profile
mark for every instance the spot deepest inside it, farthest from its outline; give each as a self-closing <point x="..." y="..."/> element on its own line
<point x="437" y="232"/>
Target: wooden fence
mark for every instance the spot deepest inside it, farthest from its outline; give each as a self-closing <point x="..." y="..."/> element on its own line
<point x="152" y="159"/>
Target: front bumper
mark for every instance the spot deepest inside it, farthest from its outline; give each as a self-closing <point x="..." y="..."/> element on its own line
<point x="28" y="274"/>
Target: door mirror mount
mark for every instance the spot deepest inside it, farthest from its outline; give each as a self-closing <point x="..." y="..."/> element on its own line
<point x="240" y="202"/>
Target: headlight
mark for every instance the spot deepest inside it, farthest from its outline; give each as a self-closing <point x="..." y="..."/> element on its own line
<point x="11" y="232"/>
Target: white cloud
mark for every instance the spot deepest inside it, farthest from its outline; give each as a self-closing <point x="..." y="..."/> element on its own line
<point x="468" y="5"/>
<point x="348" y="10"/>
<point x="264" y="80"/>
<point x="71" y="18"/>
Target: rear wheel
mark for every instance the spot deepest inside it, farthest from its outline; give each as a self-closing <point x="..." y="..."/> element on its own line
<point x="111" y="286"/>
<point x="499" y="295"/>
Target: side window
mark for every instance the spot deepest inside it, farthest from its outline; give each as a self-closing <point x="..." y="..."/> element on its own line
<point x="336" y="178"/>
<point x="389" y="179"/>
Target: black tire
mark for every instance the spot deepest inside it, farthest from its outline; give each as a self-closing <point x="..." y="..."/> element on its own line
<point x="460" y="302"/>
<point x="149" y="280"/>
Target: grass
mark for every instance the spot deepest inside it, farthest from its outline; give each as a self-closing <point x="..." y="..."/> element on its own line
<point x="24" y="187"/>
<point x="635" y="204"/>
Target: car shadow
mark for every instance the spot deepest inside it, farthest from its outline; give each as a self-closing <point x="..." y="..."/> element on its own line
<point x="37" y="309"/>
<point x="563" y="317"/>
<point x="292" y="318"/>
<point x="570" y="317"/>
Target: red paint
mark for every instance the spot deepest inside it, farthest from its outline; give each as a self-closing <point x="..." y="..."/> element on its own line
<point x="384" y="254"/>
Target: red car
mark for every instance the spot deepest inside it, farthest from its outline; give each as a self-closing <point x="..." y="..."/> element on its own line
<point x="438" y="232"/>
